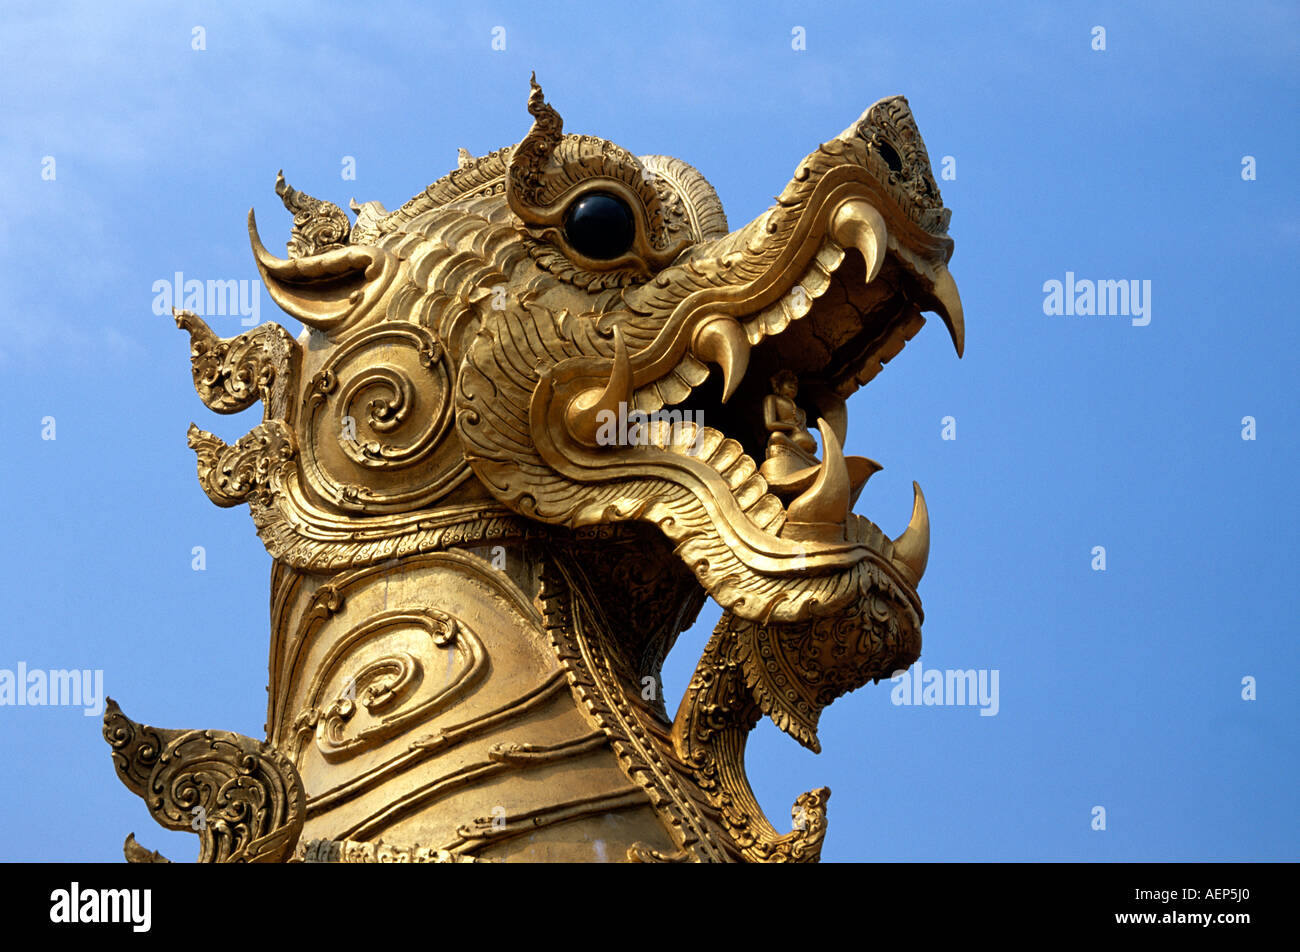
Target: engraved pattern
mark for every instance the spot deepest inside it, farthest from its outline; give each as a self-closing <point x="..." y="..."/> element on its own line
<point x="246" y="471"/>
<point x="389" y="687"/>
<point x="231" y="374"/>
<point x="317" y="226"/>
<point x="373" y="416"/>
<point x="241" y="796"/>
<point x="360" y="851"/>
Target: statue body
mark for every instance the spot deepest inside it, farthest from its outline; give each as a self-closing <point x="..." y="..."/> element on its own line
<point x="473" y="591"/>
<point x="487" y="752"/>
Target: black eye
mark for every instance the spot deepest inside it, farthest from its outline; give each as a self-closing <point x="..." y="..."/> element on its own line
<point x="600" y="226"/>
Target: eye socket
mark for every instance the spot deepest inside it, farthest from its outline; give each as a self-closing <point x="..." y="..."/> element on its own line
<point x="600" y="226"/>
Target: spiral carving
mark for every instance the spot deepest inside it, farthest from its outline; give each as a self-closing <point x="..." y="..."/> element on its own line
<point x="378" y="407"/>
<point x="370" y="687"/>
<point x="377" y="687"/>
<point x="135" y="746"/>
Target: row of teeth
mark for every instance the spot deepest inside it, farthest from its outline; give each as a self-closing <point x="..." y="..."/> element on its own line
<point x="726" y="457"/>
<point x="726" y="342"/>
<point x="717" y="450"/>
<point x="749" y="489"/>
<point x="723" y="454"/>
<point x="690" y="371"/>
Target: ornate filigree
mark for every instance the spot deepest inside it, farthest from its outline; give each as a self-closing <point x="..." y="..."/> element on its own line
<point x="795" y="671"/>
<point x="241" y="796"/>
<point x="234" y="474"/>
<point x="360" y="851"/>
<point x="597" y="674"/>
<point x="532" y="156"/>
<point x="317" y="225"/>
<point x="892" y="138"/>
<point x="231" y="374"/>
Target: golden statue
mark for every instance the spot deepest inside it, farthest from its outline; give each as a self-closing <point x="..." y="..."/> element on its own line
<point x="791" y="465"/>
<point x="474" y="584"/>
<point x="786" y="422"/>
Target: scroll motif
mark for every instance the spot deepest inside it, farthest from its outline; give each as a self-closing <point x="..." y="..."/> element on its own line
<point x="234" y="474"/>
<point x="373" y="417"/>
<point x="318" y="225"/>
<point x="231" y="373"/>
<point x="242" y="796"/>
<point x="357" y="704"/>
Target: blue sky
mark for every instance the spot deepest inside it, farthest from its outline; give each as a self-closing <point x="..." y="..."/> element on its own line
<point x="1119" y="688"/>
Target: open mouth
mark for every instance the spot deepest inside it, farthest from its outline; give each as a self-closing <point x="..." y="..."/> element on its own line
<point x="827" y="329"/>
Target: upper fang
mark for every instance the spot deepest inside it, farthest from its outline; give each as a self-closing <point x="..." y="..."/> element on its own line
<point x="585" y="412"/>
<point x="857" y="224"/>
<point x="722" y="341"/>
<point x="950" y="309"/>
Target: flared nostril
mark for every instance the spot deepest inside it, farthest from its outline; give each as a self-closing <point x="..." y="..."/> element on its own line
<point x="887" y="152"/>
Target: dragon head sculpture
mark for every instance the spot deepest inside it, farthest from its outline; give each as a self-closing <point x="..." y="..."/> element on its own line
<point x="559" y="362"/>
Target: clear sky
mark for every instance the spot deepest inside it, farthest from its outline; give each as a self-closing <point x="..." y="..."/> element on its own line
<point x="1120" y="689"/>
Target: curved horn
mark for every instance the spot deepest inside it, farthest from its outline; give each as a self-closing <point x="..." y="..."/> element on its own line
<point x="327" y="291"/>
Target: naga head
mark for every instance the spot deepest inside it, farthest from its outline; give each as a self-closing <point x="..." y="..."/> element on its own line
<point x="569" y="337"/>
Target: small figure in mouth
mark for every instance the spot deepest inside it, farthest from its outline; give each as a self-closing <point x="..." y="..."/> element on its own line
<point x="791" y="465"/>
<point x="787" y="423"/>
